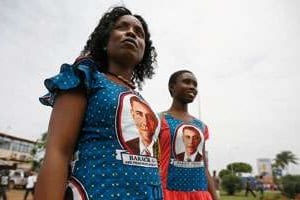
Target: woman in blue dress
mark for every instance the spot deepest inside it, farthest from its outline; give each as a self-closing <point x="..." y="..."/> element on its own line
<point x="99" y="123"/>
<point x="182" y="160"/>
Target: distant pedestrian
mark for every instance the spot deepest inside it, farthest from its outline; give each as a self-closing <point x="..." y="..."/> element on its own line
<point x="31" y="180"/>
<point x="249" y="188"/>
<point x="3" y="183"/>
<point x="217" y="182"/>
<point x="260" y="186"/>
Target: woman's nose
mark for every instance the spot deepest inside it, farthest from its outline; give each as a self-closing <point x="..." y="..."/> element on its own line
<point x="130" y="32"/>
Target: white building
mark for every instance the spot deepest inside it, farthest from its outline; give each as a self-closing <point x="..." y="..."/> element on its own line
<point x="15" y="151"/>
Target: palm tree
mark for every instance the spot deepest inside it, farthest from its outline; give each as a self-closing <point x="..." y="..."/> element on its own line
<point x="284" y="158"/>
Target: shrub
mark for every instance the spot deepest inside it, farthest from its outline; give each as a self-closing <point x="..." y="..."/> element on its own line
<point x="290" y="185"/>
<point x="231" y="184"/>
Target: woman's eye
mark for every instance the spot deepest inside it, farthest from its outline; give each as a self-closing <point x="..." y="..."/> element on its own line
<point x="140" y="33"/>
<point x="120" y="27"/>
<point x="186" y="81"/>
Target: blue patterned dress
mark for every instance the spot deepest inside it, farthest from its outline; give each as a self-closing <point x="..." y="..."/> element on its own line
<point x="183" y="174"/>
<point x="104" y="165"/>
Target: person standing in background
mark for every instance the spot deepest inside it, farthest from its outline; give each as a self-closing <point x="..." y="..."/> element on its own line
<point x="4" y="173"/>
<point x="249" y="188"/>
<point x="31" y="180"/>
<point x="260" y="186"/>
<point x="184" y="174"/>
<point x="217" y="182"/>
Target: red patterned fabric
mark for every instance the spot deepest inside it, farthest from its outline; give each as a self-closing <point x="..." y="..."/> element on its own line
<point x="179" y="195"/>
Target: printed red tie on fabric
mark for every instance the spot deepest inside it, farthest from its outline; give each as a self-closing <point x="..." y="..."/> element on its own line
<point x="146" y="152"/>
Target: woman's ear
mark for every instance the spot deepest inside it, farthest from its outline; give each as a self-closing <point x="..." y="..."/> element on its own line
<point x="171" y="89"/>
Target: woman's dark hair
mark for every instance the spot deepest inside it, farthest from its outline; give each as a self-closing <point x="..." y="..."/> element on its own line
<point x="173" y="78"/>
<point x="98" y="40"/>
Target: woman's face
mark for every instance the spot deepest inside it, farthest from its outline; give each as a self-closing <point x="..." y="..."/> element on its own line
<point x="127" y="40"/>
<point x="185" y="88"/>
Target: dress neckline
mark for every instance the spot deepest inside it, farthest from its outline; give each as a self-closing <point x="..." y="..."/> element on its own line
<point x="117" y="84"/>
<point x="128" y="83"/>
<point x="185" y="121"/>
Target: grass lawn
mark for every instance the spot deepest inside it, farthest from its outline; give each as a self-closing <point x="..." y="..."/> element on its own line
<point x="269" y="195"/>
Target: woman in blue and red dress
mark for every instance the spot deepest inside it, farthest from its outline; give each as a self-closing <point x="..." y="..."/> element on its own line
<point x="182" y="145"/>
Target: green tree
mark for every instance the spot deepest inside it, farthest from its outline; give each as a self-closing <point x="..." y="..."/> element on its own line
<point x="290" y="185"/>
<point x="224" y="172"/>
<point x="283" y="159"/>
<point x="239" y="167"/>
<point x="231" y="184"/>
<point x="38" y="151"/>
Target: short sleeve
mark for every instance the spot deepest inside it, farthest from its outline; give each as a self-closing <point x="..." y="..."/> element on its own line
<point x="165" y="149"/>
<point x="81" y="75"/>
<point x="206" y="133"/>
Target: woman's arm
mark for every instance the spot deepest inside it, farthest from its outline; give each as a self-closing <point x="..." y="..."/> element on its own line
<point x="64" y="128"/>
<point x="210" y="182"/>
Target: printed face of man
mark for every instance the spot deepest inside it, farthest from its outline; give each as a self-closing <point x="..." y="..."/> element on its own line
<point x="144" y="120"/>
<point x="191" y="140"/>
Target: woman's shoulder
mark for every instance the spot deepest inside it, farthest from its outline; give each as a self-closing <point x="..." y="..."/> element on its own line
<point x="202" y="126"/>
<point x="82" y="74"/>
<point x="86" y="61"/>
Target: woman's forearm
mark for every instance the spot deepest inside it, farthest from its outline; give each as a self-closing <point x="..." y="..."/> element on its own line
<point x="52" y="178"/>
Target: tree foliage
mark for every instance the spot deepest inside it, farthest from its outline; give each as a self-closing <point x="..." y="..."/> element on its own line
<point x="224" y="172"/>
<point x="290" y="185"/>
<point x="38" y="151"/>
<point x="283" y="159"/>
<point x="239" y="167"/>
<point x="231" y="184"/>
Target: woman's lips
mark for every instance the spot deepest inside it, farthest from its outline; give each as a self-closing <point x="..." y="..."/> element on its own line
<point x="130" y="41"/>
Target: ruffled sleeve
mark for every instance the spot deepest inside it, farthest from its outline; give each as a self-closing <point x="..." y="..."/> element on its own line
<point x="81" y="75"/>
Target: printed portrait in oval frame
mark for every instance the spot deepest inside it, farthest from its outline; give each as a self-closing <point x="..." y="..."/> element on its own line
<point x="188" y="143"/>
<point x="137" y="125"/>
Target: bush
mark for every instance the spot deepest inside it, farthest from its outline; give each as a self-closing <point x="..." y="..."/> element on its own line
<point x="290" y="185"/>
<point x="231" y="184"/>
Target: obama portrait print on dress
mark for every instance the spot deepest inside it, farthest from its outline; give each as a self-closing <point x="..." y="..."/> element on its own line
<point x="137" y="125"/>
<point x="188" y="144"/>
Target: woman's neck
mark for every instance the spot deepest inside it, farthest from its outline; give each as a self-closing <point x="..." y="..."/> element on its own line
<point x="121" y="75"/>
<point x="180" y="111"/>
<point x="121" y="70"/>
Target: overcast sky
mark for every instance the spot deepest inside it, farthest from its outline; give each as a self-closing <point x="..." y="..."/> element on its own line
<point x="245" y="55"/>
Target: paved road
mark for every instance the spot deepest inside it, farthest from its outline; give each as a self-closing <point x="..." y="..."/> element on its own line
<point x="17" y="195"/>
